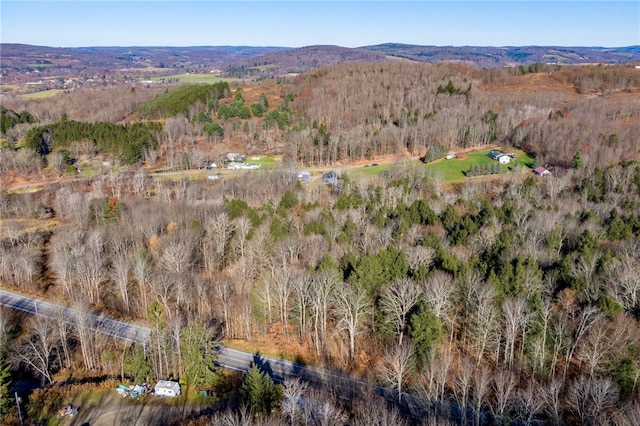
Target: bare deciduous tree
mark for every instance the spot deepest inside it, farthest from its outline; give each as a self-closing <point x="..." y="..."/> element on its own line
<point x="37" y="350"/>
<point x="141" y="269"/>
<point x="623" y="273"/>
<point x="293" y="390"/>
<point x="373" y="411"/>
<point x="84" y="333"/>
<point x="552" y="393"/>
<point x="515" y="318"/>
<point x="480" y="390"/>
<point x="591" y="398"/>
<point x="587" y="317"/>
<point x="463" y="378"/>
<point x="120" y="271"/>
<point x="321" y="291"/>
<point x="64" y="253"/>
<point x="504" y="386"/>
<point x="396" y="365"/>
<point x="530" y="404"/>
<point x="353" y="308"/>
<point x="437" y="290"/>
<point x="397" y="299"/>
<point x="90" y="267"/>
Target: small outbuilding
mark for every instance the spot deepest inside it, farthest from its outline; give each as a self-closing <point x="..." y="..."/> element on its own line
<point x="541" y="171"/>
<point x="167" y="388"/>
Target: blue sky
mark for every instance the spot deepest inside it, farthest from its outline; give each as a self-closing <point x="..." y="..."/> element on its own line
<point x="304" y="23"/>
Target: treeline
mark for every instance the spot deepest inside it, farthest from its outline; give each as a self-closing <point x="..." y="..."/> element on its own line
<point x="128" y="142"/>
<point x="178" y="101"/>
<point x="485" y="169"/>
<point x="9" y="118"/>
<point x="515" y="298"/>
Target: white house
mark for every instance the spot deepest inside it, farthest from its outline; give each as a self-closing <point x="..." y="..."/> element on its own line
<point x="504" y="159"/>
<point x="167" y="388"/>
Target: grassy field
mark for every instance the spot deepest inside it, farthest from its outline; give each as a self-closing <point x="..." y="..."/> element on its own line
<point x="371" y="170"/>
<point x="43" y="94"/>
<point x="265" y="161"/>
<point x="455" y="169"/>
<point x="195" y="78"/>
<point x="263" y="67"/>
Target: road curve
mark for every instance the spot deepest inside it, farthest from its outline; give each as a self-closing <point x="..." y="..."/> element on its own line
<point x="344" y="385"/>
<point x="232" y="359"/>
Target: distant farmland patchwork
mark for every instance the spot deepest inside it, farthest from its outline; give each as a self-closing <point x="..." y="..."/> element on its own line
<point x="194" y="78"/>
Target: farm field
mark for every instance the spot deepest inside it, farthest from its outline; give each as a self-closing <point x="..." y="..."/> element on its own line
<point x="42" y="94"/>
<point x="194" y="78"/>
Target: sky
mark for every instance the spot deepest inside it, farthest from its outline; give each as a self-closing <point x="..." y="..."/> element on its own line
<point x="305" y="22"/>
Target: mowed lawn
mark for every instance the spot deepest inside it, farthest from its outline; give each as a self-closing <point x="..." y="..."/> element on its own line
<point x="456" y="168"/>
<point x="264" y="161"/>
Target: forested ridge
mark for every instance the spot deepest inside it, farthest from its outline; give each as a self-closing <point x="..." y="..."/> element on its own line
<point x="127" y="142"/>
<point x="512" y="299"/>
<point x="358" y="111"/>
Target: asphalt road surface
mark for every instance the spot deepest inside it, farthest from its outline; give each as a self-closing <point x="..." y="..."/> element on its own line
<point x="232" y="359"/>
<point x="111" y="327"/>
<point x="343" y="385"/>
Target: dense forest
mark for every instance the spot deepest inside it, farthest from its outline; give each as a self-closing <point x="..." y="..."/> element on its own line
<point x="511" y="299"/>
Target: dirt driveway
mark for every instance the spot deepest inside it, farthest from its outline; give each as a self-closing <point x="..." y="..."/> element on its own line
<point x="111" y="409"/>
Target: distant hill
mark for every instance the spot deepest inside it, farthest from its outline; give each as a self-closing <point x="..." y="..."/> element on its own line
<point x="305" y="58"/>
<point x="489" y="57"/>
<point x="22" y="62"/>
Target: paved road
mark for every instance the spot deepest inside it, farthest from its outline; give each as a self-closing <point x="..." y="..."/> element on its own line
<point x="111" y="327"/>
<point x="227" y="358"/>
<point x="344" y="385"/>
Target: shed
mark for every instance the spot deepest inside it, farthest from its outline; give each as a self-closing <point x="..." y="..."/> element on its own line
<point x="167" y="388"/>
<point x="541" y="171"/>
<point x="504" y="159"/>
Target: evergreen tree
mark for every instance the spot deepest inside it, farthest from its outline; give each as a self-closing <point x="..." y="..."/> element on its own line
<point x="6" y="404"/>
<point x="259" y="393"/>
<point x="136" y="365"/>
<point x="576" y="160"/>
<point x="197" y="348"/>
<point x="426" y="331"/>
